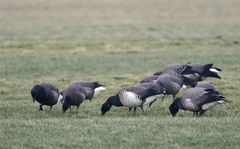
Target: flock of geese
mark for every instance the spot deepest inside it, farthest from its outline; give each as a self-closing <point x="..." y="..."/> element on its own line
<point x="198" y="98"/>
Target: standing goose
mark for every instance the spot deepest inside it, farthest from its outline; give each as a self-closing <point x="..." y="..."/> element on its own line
<point x="132" y="97"/>
<point x="203" y="71"/>
<point x="45" y="94"/>
<point x="197" y="100"/>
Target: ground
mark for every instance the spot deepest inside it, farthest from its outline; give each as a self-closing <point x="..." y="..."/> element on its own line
<point x="116" y="43"/>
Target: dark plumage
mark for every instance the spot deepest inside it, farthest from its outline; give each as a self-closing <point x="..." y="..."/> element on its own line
<point x="45" y="94"/>
<point x="132" y="97"/>
<point x="149" y="79"/>
<point x="206" y="86"/>
<point x="74" y="96"/>
<point x="95" y="86"/>
<point x="197" y="100"/>
<point x="203" y="71"/>
<point x="181" y="69"/>
<point x="89" y="89"/>
<point x="153" y="85"/>
<point x="173" y="82"/>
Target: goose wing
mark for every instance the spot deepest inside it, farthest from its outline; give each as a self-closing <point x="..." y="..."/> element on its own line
<point x="88" y="92"/>
<point x="149" y="78"/>
<point x="171" y="85"/>
<point x="206" y="86"/>
<point x="181" y="69"/>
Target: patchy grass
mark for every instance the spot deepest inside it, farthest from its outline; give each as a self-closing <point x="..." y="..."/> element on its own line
<point x="116" y="43"/>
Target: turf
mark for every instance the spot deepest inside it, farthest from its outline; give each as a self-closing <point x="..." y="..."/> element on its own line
<point x="116" y="43"/>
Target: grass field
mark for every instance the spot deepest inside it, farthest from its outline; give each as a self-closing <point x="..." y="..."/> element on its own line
<point x="117" y="43"/>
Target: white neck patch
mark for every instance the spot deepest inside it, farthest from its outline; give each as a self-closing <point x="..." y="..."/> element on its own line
<point x="183" y="87"/>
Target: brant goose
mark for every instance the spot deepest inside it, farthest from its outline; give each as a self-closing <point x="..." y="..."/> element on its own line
<point x="45" y="94"/>
<point x="74" y="95"/>
<point x="197" y="100"/>
<point x="92" y="89"/>
<point x="133" y="97"/>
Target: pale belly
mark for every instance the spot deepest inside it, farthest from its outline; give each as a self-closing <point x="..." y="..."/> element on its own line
<point x="129" y="99"/>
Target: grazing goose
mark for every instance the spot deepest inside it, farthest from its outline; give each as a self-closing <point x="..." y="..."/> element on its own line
<point x="45" y="94"/>
<point x="203" y="71"/>
<point x="74" y="95"/>
<point x="174" y="82"/>
<point x="90" y="89"/>
<point x="181" y="69"/>
<point x="197" y="100"/>
<point x="132" y="97"/>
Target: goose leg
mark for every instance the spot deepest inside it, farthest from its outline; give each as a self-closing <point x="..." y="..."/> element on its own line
<point x="50" y="108"/>
<point x="194" y="113"/>
<point x="77" y="108"/>
<point x="141" y="106"/>
<point x="152" y="103"/>
<point x="173" y="97"/>
<point x="134" y="110"/>
<point x="40" y="108"/>
<point x="163" y="98"/>
<point x="129" y="109"/>
<point x="197" y="114"/>
<point x="142" y="110"/>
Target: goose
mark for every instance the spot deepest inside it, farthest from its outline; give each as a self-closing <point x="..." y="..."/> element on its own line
<point x="45" y="94"/>
<point x="197" y="100"/>
<point x="203" y="71"/>
<point x="92" y="89"/>
<point x="174" y="82"/>
<point x="132" y="97"/>
<point x="74" y="95"/>
<point x="181" y="69"/>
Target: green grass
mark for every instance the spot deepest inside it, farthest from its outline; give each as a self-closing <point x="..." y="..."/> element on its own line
<point x="117" y="43"/>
